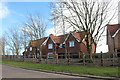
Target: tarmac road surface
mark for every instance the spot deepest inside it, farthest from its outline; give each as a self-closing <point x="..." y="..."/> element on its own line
<point x="17" y="72"/>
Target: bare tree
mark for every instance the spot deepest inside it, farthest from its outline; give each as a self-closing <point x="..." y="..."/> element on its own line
<point x="57" y="18"/>
<point x="34" y="27"/>
<point x="59" y="21"/>
<point x="90" y="16"/>
<point x="14" y="41"/>
<point x="24" y="39"/>
<point x="2" y="45"/>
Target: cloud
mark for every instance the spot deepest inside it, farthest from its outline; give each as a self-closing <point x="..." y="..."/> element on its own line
<point x="4" y="11"/>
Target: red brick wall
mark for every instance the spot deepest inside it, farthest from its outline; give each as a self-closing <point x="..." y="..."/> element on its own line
<point x="83" y="48"/>
<point x="117" y="41"/>
<point x="61" y="50"/>
<point x="45" y="48"/>
<point x="76" y="48"/>
<point x="110" y="42"/>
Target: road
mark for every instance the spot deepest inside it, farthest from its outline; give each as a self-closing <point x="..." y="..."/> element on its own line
<point x="17" y="72"/>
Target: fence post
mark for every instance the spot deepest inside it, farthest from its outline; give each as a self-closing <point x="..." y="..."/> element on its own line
<point x="46" y="58"/>
<point x="56" y="58"/>
<point x="23" y="58"/>
<point x="83" y="59"/>
<point x="68" y="58"/>
<point x="79" y="55"/>
<point x="101" y="59"/>
<point x="39" y="58"/>
<point x="33" y="58"/>
<point x="116" y="52"/>
<point x="113" y="59"/>
<point x="9" y="57"/>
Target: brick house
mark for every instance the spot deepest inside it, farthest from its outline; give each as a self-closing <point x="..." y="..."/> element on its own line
<point x="113" y="38"/>
<point x="69" y="44"/>
<point x="34" y="48"/>
<point x="72" y="44"/>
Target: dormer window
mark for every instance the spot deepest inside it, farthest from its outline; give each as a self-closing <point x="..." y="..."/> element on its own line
<point x="50" y="46"/>
<point x="30" y="48"/>
<point x="71" y="44"/>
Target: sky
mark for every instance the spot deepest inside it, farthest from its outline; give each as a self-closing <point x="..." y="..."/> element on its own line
<point x="12" y="14"/>
<point x="15" y="13"/>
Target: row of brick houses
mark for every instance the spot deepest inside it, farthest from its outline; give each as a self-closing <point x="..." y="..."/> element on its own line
<point x="72" y="43"/>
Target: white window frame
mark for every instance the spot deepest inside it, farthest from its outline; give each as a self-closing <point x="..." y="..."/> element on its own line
<point x="49" y="55"/>
<point x="50" y="46"/>
<point x="30" y="48"/>
<point x="60" y="46"/>
<point x="71" y="43"/>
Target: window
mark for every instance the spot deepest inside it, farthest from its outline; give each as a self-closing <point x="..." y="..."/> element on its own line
<point x="71" y="44"/>
<point x="60" y="46"/>
<point x="50" y="55"/>
<point x="50" y="46"/>
<point x="30" y="48"/>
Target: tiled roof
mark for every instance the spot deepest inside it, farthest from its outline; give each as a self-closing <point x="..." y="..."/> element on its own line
<point x="61" y="38"/>
<point x="58" y="39"/>
<point x="33" y="43"/>
<point x="113" y="28"/>
<point x="36" y="43"/>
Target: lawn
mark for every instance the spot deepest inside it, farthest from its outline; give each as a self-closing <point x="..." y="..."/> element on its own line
<point x="78" y="69"/>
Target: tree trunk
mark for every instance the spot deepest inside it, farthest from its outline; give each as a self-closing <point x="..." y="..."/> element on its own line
<point x="89" y="46"/>
<point x="40" y="56"/>
<point x="65" y="52"/>
<point x="17" y="53"/>
<point x="83" y="59"/>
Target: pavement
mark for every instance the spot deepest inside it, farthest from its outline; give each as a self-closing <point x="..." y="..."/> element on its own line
<point x="20" y="72"/>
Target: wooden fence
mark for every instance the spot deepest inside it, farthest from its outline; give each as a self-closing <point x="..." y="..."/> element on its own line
<point x="100" y="59"/>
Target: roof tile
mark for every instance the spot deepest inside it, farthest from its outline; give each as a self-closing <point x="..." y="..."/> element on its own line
<point x="61" y="38"/>
<point x="57" y="39"/>
<point x="37" y="42"/>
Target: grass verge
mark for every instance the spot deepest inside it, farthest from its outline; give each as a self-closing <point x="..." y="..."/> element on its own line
<point x="77" y="69"/>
